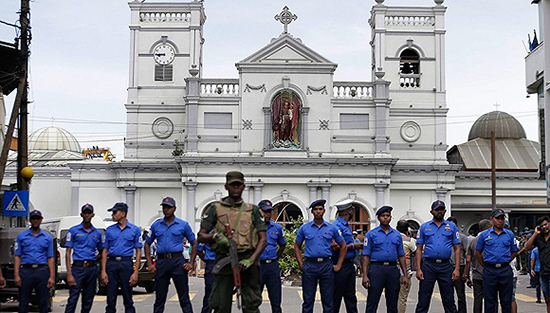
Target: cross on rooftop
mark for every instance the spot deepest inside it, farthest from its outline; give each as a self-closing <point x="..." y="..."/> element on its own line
<point x="285" y="17"/>
<point x="497" y="105"/>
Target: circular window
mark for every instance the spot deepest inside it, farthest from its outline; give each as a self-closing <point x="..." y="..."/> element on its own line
<point x="410" y="131"/>
<point x="163" y="127"/>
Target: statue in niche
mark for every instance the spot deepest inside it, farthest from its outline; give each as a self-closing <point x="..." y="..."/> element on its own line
<point x="284" y="121"/>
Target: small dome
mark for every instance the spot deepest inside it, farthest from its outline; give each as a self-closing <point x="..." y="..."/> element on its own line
<point x="503" y="124"/>
<point x="53" y="139"/>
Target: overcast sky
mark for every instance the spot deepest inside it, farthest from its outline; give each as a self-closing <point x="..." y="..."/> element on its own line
<point x="80" y="51"/>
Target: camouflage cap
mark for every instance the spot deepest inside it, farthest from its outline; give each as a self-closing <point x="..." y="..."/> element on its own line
<point x="234" y="177"/>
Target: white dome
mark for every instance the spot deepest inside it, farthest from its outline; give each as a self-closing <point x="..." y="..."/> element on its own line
<point x="53" y="139"/>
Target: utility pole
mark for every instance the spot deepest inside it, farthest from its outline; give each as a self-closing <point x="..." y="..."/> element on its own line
<point x="22" y="142"/>
<point x="20" y="102"/>
<point x="493" y="171"/>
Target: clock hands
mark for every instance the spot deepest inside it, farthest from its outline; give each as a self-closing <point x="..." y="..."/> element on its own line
<point x="160" y="54"/>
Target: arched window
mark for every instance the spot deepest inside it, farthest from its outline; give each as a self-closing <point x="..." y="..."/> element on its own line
<point x="285" y="212"/>
<point x="285" y="121"/>
<point x="409" y="68"/>
<point x="361" y="219"/>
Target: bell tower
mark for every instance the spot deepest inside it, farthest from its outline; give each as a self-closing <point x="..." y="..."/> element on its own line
<point x="408" y="48"/>
<point x="166" y="40"/>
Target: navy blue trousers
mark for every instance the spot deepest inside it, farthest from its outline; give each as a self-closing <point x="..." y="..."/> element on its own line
<point x="208" y="282"/>
<point x="37" y="279"/>
<point x="86" y="281"/>
<point x="171" y="269"/>
<point x="443" y="274"/>
<point x="344" y="280"/>
<point x="498" y="282"/>
<point x="119" y="273"/>
<point x="383" y="277"/>
<point x="313" y="272"/>
<point x="270" y="277"/>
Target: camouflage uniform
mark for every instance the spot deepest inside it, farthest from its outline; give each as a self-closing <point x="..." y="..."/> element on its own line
<point x="246" y="222"/>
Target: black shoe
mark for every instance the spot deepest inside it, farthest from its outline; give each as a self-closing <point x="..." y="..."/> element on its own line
<point x="538" y="301"/>
<point x="531" y="286"/>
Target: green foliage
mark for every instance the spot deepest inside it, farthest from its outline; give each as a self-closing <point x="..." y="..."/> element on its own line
<point x="289" y="265"/>
<point x="177" y="150"/>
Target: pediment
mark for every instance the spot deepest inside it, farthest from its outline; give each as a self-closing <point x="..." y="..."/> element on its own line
<point x="284" y="50"/>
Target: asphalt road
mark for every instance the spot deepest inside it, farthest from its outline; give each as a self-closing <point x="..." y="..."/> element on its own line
<point x="292" y="299"/>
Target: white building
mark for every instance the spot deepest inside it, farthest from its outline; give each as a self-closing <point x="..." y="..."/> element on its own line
<point x="376" y="142"/>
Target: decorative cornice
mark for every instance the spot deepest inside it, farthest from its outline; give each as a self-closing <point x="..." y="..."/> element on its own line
<point x="285" y="160"/>
<point x="426" y="168"/>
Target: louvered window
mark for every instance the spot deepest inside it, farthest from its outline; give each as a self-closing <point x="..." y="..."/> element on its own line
<point x="163" y="73"/>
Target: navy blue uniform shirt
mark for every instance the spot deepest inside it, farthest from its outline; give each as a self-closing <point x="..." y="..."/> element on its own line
<point x="318" y="239"/>
<point x="209" y="255"/>
<point x="345" y="231"/>
<point x="85" y="244"/>
<point x="122" y="242"/>
<point x="34" y="249"/>
<point x="438" y="241"/>
<point x="382" y="247"/>
<point x="170" y="238"/>
<point x="496" y="248"/>
<point x="275" y="236"/>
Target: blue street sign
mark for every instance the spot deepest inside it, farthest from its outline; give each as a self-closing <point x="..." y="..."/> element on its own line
<point x="16" y="203"/>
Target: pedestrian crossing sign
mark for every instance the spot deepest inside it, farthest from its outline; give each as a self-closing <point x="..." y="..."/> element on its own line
<point x="16" y="203"/>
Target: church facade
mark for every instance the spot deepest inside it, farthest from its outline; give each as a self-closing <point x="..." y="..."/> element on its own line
<point x="295" y="133"/>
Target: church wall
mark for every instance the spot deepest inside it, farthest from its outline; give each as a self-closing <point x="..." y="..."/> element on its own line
<point x="412" y="204"/>
<point x="149" y="204"/>
<point x="211" y="136"/>
<point x="51" y="196"/>
<point x="101" y="197"/>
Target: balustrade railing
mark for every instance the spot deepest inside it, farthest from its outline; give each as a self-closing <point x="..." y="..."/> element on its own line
<point x="416" y="21"/>
<point x="164" y="17"/>
<point x="409" y="81"/>
<point x="219" y="87"/>
<point x="353" y="90"/>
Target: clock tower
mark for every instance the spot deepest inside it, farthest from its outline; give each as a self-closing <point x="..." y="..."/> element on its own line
<point x="165" y="43"/>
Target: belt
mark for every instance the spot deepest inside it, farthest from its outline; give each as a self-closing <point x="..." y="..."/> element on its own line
<point x="319" y="260"/>
<point x="84" y="263"/>
<point x="32" y="265"/>
<point x="120" y="258"/>
<point x="385" y="263"/>
<point x="268" y="261"/>
<point x="169" y="255"/>
<point x="438" y="261"/>
<point x="497" y="265"/>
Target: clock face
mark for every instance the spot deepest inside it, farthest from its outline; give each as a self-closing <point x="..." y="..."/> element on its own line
<point x="164" y="54"/>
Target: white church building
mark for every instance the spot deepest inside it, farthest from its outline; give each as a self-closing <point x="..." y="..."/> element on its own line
<point x="295" y="133"/>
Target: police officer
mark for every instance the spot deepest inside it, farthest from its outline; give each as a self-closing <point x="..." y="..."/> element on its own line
<point x="495" y="249"/>
<point x="383" y="247"/>
<point x="117" y="268"/>
<point x="34" y="264"/>
<point x="250" y="239"/>
<point x="84" y="241"/>
<point x="435" y="240"/>
<point x="345" y="277"/>
<point x="169" y="233"/>
<point x="208" y="257"/>
<point x="318" y="235"/>
<point x="269" y="260"/>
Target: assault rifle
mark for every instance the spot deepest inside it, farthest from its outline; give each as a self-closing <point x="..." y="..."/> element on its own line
<point x="233" y="258"/>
